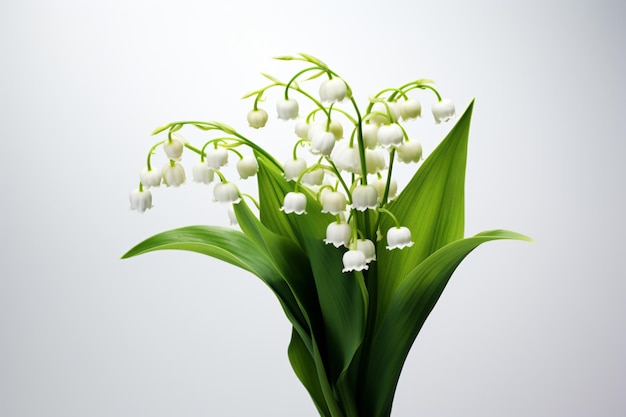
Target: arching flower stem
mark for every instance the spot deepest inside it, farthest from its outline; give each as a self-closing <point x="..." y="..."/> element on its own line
<point x="150" y="153"/>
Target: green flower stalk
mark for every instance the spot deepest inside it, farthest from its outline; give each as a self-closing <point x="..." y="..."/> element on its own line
<point x="356" y="264"/>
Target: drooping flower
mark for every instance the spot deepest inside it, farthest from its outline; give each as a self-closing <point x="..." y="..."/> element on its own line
<point x="332" y="90"/>
<point x="322" y="143"/>
<point x="381" y="183"/>
<point x="173" y="175"/>
<point x="333" y="202"/>
<point x="202" y="173"/>
<point x="375" y="160"/>
<point x="370" y="135"/>
<point x="354" y="260"/>
<point x="287" y="109"/>
<point x="301" y="128"/>
<point x="173" y="148"/>
<point x="398" y="238"/>
<point x="410" y="109"/>
<point x="140" y="200"/>
<point x="257" y="118"/>
<point x="383" y="113"/>
<point x="367" y="247"/>
<point x="247" y="167"/>
<point x="150" y="177"/>
<point x="295" y="202"/>
<point x="338" y="234"/>
<point x="364" y="197"/>
<point x="226" y="192"/>
<point x="390" y="135"/>
<point x="216" y="158"/>
<point x="336" y="128"/>
<point x="294" y="167"/>
<point x="409" y="151"/>
<point x="346" y="157"/>
<point x="314" y="177"/>
<point x="443" y="110"/>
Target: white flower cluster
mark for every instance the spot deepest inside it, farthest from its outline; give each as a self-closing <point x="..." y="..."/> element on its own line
<point x="349" y="173"/>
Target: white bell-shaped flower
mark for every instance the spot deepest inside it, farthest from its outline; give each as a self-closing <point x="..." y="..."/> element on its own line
<point x="301" y="128"/>
<point x="443" y="110"/>
<point x="382" y="111"/>
<point x="338" y="234"/>
<point x="287" y="109"/>
<point x="375" y="160"/>
<point x="381" y="183"/>
<point x="333" y="202"/>
<point x="247" y="167"/>
<point x="409" y="152"/>
<point x="322" y="143"/>
<point x="314" y="177"/>
<point x="294" y="167"/>
<point x="390" y="135"/>
<point x="410" y="109"/>
<point x="202" y="173"/>
<point x="257" y="118"/>
<point x="367" y="247"/>
<point x="140" y="200"/>
<point x="314" y="129"/>
<point x="364" y="197"/>
<point x="216" y="158"/>
<point x="332" y="90"/>
<point x="346" y="157"/>
<point x="354" y="260"/>
<point x="398" y="238"/>
<point x="173" y="148"/>
<point x="295" y="202"/>
<point x="150" y="178"/>
<point x="370" y="135"/>
<point x="173" y="175"/>
<point x="226" y="192"/>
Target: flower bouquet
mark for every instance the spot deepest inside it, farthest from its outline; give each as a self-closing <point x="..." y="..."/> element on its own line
<point x="356" y="264"/>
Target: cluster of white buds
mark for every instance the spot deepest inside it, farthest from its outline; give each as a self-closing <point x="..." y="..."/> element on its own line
<point x="348" y="165"/>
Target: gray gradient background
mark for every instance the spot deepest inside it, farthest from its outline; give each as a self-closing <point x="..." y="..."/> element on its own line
<point x="522" y="330"/>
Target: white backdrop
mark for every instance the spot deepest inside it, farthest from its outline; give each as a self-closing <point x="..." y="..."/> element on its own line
<point x="522" y="330"/>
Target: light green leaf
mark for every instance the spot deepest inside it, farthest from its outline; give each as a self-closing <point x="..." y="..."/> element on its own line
<point x="431" y="206"/>
<point x="160" y="129"/>
<point x="411" y="304"/>
<point x="272" y="78"/>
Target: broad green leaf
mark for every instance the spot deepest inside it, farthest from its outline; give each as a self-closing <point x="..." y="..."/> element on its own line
<point x="341" y="296"/>
<point x="411" y="304"/>
<point x="431" y="206"/>
<point x="303" y="365"/>
<point x="233" y="247"/>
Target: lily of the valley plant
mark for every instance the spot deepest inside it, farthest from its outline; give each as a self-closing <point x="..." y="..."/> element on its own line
<point x="356" y="264"/>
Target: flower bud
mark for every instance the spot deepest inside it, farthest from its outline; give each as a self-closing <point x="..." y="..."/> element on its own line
<point x="390" y="135"/>
<point x="398" y="238"/>
<point x="409" y="152"/>
<point x="202" y="173"/>
<point x="226" y="192"/>
<point x="150" y="178"/>
<point x="294" y="167"/>
<point x="364" y="197"/>
<point x="346" y="158"/>
<point x="173" y="149"/>
<point x="332" y="90"/>
<point x="381" y="183"/>
<point x="333" y="202"/>
<point x="383" y="113"/>
<point x="173" y="175"/>
<point x="247" y="167"/>
<point x="287" y="109"/>
<point x="410" y="109"/>
<point x="367" y="247"/>
<point x="216" y="158"/>
<point x="354" y="260"/>
<point x="338" y="234"/>
<point x="295" y="202"/>
<point x="336" y="128"/>
<point x="443" y="110"/>
<point x="301" y="128"/>
<point x="257" y="118"/>
<point x="140" y="200"/>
